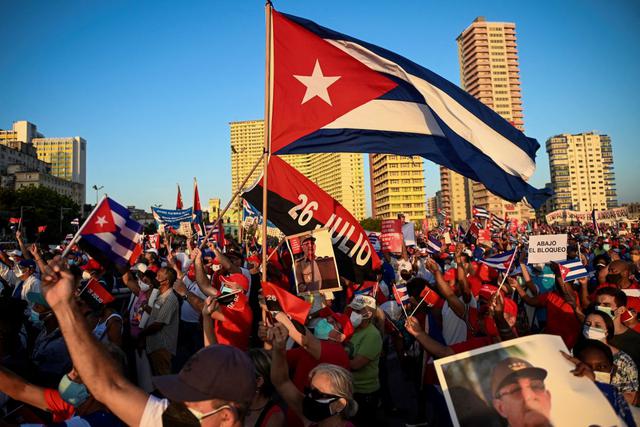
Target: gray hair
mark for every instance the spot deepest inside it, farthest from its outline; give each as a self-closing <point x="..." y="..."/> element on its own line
<point x="341" y="384"/>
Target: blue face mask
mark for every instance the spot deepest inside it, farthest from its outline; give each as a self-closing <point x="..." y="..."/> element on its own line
<point x="35" y="319"/>
<point x="322" y="330"/>
<point x="71" y="262"/>
<point x="226" y="290"/>
<point x="71" y="392"/>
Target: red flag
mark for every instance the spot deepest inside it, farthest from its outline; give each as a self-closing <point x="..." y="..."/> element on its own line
<point x="179" y="199"/>
<point x="425" y="226"/>
<point x="101" y="221"/>
<point x="42" y="228"/>
<point x="296" y="308"/>
<point x="14" y="220"/>
<point x="196" y="197"/>
<point x="297" y="205"/>
<point x="96" y="291"/>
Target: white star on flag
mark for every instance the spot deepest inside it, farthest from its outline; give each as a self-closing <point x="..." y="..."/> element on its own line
<point x="101" y="221"/>
<point x="317" y="84"/>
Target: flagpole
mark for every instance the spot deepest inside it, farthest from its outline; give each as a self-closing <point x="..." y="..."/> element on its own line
<point x="267" y="132"/>
<point x="226" y="208"/>
<point x="84" y="224"/>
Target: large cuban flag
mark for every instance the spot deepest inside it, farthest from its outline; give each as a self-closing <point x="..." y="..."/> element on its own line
<point x="334" y="93"/>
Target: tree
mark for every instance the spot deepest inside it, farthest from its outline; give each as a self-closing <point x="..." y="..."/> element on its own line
<point x="371" y="224"/>
<point x="40" y="206"/>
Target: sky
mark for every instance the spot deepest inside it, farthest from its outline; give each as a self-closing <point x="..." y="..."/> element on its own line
<point x="152" y="85"/>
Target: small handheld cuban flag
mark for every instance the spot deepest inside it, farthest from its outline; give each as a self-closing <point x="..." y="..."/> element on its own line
<point x="497" y="222"/>
<point x="335" y="93"/>
<point x="572" y="269"/>
<point x="110" y="235"/>
<point x="401" y="294"/>
<point x="433" y="245"/>
<point x="500" y="261"/>
<point x="480" y="212"/>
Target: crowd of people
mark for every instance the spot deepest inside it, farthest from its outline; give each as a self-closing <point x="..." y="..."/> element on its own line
<point x="186" y="337"/>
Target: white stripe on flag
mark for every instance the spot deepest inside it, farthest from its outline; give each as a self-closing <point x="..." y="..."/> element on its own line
<point x="124" y="230"/>
<point x="110" y="239"/>
<point x="387" y="115"/>
<point x="508" y="156"/>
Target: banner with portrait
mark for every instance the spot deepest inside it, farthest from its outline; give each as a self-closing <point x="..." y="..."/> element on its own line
<point x="314" y="262"/>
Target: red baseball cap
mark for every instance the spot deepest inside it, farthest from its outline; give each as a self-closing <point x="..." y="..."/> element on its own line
<point x="237" y="278"/>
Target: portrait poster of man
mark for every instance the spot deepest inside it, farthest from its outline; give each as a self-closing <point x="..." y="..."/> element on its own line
<point x="314" y="262"/>
<point x="521" y="382"/>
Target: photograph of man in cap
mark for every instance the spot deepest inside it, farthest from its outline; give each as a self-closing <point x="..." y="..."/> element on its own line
<point x="308" y="274"/>
<point x="519" y="393"/>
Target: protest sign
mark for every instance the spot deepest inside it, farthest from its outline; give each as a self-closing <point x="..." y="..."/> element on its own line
<point x="484" y="236"/>
<point x="374" y="239"/>
<point x="171" y="217"/>
<point x="478" y="386"/>
<point x="314" y="262"/>
<point x="547" y="247"/>
<point x="409" y="234"/>
<point x="391" y="236"/>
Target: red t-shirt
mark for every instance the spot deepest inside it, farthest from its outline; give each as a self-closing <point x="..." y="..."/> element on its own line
<point x="236" y="328"/>
<point x="59" y="409"/>
<point x="301" y="362"/>
<point x="561" y="319"/>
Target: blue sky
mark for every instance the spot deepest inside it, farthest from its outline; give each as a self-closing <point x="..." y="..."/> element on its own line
<point x="152" y="85"/>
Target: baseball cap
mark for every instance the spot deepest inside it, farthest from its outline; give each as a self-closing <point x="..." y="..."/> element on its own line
<point x="152" y="250"/>
<point x="512" y="368"/>
<point x="238" y="279"/>
<point x="15" y="252"/>
<point x="92" y="264"/>
<point x="361" y="301"/>
<point x="308" y="238"/>
<point x="216" y="372"/>
<point x="142" y="268"/>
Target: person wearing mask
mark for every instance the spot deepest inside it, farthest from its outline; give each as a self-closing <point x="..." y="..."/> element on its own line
<point x="624" y="338"/>
<point x="598" y="325"/>
<point x="70" y="403"/>
<point x="618" y="274"/>
<point x="20" y="276"/>
<point x="140" y="282"/>
<point x="594" y="360"/>
<point x="364" y="348"/>
<point x="151" y="257"/>
<point x="329" y="399"/>
<point x="214" y="388"/>
<point x="49" y="354"/>
<point x="160" y="337"/>
<point x="264" y="410"/>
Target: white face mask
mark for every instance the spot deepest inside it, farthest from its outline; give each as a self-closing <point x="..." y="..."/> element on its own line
<point x="356" y="319"/>
<point x="594" y="333"/>
<point x="603" y="377"/>
<point x="143" y="286"/>
<point x="86" y="275"/>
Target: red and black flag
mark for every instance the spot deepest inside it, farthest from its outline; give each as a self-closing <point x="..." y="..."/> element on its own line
<point x="297" y="205"/>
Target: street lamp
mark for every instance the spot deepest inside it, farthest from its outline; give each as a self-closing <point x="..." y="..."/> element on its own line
<point x="95" y="187"/>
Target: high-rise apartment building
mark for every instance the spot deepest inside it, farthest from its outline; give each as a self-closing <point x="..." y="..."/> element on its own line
<point x="582" y="174"/>
<point x="489" y="71"/>
<point x="339" y="174"/>
<point x="397" y="186"/>
<point x="456" y="195"/>
<point x="67" y="156"/>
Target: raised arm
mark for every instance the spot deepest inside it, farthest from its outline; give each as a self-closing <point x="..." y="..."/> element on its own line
<point x="201" y="276"/>
<point x="97" y="370"/>
<point x="456" y="305"/>
<point x="432" y="346"/>
<point x="23" y="248"/>
<point x="18" y="389"/>
<point x="306" y="340"/>
<point x="224" y="261"/>
<point x="130" y="282"/>
<point x="280" y="371"/>
<point x="534" y="301"/>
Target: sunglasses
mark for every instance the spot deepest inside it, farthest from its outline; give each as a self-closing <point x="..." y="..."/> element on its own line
<point x="316" y="394"/>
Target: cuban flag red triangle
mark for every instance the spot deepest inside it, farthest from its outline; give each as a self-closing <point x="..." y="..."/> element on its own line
<point x="315" y="82"/>
<point x="101" y="220"/>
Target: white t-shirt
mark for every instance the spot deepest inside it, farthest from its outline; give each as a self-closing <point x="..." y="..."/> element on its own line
<point x="153" y="410"/>
<point x="187" y="312"/>
<point x="454" y="329"/>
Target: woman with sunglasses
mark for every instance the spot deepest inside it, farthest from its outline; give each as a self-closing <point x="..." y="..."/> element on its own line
<point x="327" y="402"/>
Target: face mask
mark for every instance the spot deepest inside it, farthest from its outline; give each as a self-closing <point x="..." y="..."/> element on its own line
<point x="606" y="247"/>
<point x="86" y="275"/>
<point x="177" y="414"/>
<point x="603" y="377"/>
<point x="71" y="262"/>
<point x="322" y="330"/>
<point x="594" y="333"/>
<point x="356" y="319"/>
<point x="72" y="392"/>
<point x="316" y="410"/>
<point x="200" y="416"/>
<point x="604" y="309"/>
<point x="224" y="289"/>
<point x="614" y="279"/>
<point x="35" y="319"/>
<point x="143" y="286"/>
